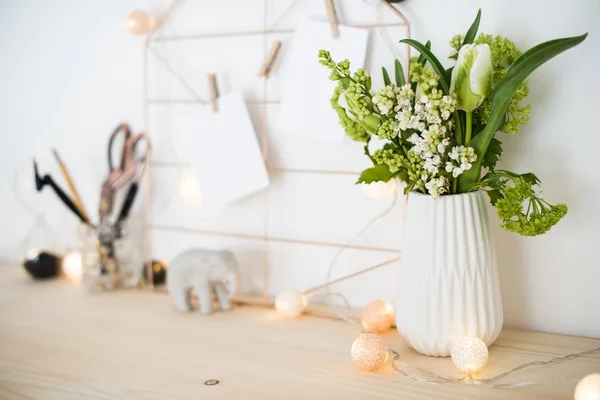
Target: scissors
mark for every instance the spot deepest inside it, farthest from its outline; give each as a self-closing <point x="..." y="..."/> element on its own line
<point x="129" y="170"/>
<point x="126" y="171"/>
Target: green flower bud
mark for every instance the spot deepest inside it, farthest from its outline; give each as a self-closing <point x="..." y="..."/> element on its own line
<point x="472" y="76"/>
<point x="358" y="112"/>
<point x="370" y="123"/>
<point x="344" y="104"/>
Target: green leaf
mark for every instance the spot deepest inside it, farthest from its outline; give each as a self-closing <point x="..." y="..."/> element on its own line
<point x="403" y="176"/>
<point x="502" y="95"/>
<point x="345" y="83"/>
<point x="422" y="60"/>
<point x="530" y="177"/>
<point x="433" y="61"/>
<point x="495" y="195"/>
<point x="409" y="187"/>
<point x="472" y="32"/>
<point x="378" y="173"/>
<point x="389" y="146"/>
<point x="492" y="155"/>
<point x="386" y="77"/>
<point x="404" y="135"/>
<point x="400" y="79"/>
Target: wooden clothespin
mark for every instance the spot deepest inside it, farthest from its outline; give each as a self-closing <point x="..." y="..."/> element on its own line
<point x="333" y="22"/>
<point x="213" y="91"/>
<point x="265" y="70"/>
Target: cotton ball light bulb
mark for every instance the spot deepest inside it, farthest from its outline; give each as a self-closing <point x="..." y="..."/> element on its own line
<point x="379" y="190"/>
<point x="139" y="22"/>
<point x="369" y="352"/>
<point x="469" y="354"/>
<point x="378" y="316"/>
<point x="72" y="265"/>
<point x="290" y="303"/>
<point x="588" y="388"/>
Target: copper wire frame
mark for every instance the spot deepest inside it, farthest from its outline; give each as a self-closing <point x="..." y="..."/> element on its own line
<point x="253" y="300"/>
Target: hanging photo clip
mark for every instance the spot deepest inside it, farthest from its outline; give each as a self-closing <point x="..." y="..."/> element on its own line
<point x="213" y="91"/>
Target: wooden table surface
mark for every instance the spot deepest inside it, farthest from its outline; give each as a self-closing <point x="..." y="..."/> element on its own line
<point x="58" y="342"/>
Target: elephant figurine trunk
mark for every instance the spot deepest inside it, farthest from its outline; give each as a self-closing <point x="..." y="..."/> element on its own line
<point x="212" y="274"/>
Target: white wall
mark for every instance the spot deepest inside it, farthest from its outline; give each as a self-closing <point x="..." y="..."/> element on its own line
<point x="70" y="73"/>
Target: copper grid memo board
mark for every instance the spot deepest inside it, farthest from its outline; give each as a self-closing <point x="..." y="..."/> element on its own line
<point x="265" y="237"/>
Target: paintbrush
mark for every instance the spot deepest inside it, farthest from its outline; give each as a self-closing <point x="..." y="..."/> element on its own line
<point x="72" y="188"/>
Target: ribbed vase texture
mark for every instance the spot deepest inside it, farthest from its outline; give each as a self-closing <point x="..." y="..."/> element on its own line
<point x="449" y="285"/>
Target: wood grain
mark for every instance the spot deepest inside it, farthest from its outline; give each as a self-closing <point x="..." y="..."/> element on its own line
<point x="57" y="342"/>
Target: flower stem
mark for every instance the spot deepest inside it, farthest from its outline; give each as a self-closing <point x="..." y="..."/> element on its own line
<point x="469" y="127"/>
<point x="454" y="184"/>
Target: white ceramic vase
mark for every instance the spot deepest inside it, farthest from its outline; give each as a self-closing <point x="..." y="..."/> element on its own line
<point x="449" y="285"/>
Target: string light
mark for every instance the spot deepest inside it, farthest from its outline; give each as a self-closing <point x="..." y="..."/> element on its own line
<point x="72" y="265"/>
<point x="290" y="303"/>
<point x="379" y="190"/>
<point x="588" y="388"/>
<point x="378" y="316"/>
<point x="470" y="354"/>
<point x="139" y="22"/>
<point x="369" y="352"/>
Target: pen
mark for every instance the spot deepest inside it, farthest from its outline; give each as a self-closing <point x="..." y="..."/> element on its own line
<point x="72" y="188"/>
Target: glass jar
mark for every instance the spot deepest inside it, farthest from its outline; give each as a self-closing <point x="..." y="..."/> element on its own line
<point x="115" y="265"/>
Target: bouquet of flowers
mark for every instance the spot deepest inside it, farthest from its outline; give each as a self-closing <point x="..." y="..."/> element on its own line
<point x="439" y="126"/>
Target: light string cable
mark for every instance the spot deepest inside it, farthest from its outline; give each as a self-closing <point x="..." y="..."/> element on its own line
<point x="468" y="379"/>
<point x="350" y="316"/>
<point x="425" y="375"/>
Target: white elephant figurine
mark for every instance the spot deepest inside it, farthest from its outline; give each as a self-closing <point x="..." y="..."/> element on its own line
<point x="210" y="273"/>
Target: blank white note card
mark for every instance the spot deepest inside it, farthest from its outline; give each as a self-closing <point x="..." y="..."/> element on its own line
<point x="222" y="149"/>
<point x="305" y="105"/>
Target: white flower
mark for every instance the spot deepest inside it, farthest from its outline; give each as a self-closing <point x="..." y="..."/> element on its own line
<point x="449" y="166"/>
<point x="414" y="138"/>
<point x="465" y="166"/>
<point x="435" y="187"/>
<point x="430" y="166"/>
<point x="436" y="160"/>
<point x="455" y="153"/>
<point x="457" y="172"/>
<point x="441" y="148"/>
